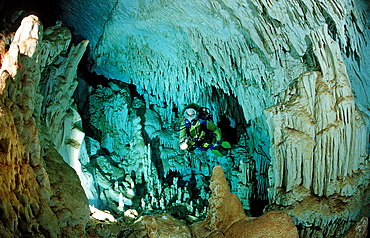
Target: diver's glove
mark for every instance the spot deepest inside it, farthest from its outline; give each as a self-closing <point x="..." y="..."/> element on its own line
<point x="187" y="123"/>
<point x="184" y="143"/>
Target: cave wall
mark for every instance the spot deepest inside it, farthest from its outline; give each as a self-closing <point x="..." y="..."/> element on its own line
<point x="41" y="195"/>
<point x="318" y="114"/>
<point x="292" y="74"/>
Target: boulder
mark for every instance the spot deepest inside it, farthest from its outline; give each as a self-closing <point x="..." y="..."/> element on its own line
<point x="158" y="225"/>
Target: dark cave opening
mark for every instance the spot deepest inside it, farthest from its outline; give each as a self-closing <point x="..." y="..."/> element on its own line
<point x="258" y="206"/>
<point x="231" y="121"/>
<point x="229" y="131"/>
<point x="14" y="11"/>
<point x="84" y="68"/>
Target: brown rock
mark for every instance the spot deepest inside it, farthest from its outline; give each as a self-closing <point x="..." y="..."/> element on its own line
<point x="220" y="217"/>
<point x="359" y="230"/>
<point x="159" y="225"/>
<point x="69" y="202"/>
<point x="40" y="195"/>
<point x="271" y="224"/>
<point x="226" y="217"/>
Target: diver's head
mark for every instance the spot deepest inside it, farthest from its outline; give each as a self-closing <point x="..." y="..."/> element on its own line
<point x="191" y="114"/>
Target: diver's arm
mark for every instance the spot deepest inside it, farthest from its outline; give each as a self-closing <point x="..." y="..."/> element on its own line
<point x="182" y="133"/>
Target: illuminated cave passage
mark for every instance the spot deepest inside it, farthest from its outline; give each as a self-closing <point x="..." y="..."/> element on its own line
<point x="105" y="161"/>
<point x="91" y="97"/>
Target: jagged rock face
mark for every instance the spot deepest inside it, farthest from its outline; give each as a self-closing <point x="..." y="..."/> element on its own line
<point x="292" y="74"/>
<point x="41" y="195"/>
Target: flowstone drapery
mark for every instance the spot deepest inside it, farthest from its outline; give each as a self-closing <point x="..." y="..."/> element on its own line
<point x="313" y="140"/>
<point x="318" y="113"/>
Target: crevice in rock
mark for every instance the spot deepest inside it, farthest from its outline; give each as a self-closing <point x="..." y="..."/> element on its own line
<point x="13" y="12"/>
<point x="4" y="145"/>
<point x="309" y="58"/>
<point x="332" y="28"/>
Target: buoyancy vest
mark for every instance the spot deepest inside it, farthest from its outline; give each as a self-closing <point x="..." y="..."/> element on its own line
<point x="201" y="131"/>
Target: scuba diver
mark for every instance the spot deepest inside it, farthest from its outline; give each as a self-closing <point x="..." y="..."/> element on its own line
<point x="199" y="132"/>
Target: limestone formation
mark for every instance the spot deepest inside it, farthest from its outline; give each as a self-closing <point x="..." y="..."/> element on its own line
<point x="320" y="116"/>
<point x="287" y="79"/>
<point x="226" y="217"/>
<point x="41" y="195"/>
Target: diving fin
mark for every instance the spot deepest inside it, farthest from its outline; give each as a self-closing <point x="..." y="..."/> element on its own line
<point x="226" y="145"/>
<point x="216" y="152"/>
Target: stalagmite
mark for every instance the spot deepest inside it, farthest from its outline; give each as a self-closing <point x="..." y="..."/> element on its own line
<point x="226" y="217"/>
